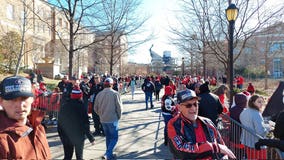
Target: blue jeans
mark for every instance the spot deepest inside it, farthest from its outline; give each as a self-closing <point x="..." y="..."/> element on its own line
<point x="111" y="133"/>
<point x="132" y="92"/>
<point x="166" y="120"/>
<point x="149" y="95"/>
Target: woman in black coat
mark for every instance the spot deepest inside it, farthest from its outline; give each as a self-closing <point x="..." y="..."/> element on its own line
<point x="73" y="125"/>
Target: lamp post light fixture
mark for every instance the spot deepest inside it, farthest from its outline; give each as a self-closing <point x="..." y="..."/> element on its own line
<point x="231" y="14"/>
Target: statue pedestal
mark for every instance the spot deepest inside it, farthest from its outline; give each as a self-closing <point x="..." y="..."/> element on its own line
<point x="48" y="70"/>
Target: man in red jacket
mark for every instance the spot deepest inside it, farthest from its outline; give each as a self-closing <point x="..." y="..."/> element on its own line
<point x="192" y="136"/>
<point x="240" y="82"/>
<point x="19" y="137"/>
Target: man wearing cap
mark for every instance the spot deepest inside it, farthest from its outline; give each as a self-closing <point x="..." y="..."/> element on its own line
<point x="19" y="137"/>
<point x="108" y="106"/>
<point x="192" y="136"/>
<point x="84" y="86"/>
<point x="65" y="87"/>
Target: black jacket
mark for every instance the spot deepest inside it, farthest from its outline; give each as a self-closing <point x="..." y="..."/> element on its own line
<point x="279" y="126"/>
<point x="73" y="119"/>
<point x="210" y="106"/>
<point x="85" y="89"/>
<point x="95" y="89"/>
<point x="148" y="86"/>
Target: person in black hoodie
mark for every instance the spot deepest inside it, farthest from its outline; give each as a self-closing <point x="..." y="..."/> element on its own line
<point x="158" y="87"/>
<point x="209" y="104"/>
<point x="73" y="125"/>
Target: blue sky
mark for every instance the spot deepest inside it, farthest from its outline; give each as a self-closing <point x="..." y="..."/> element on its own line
<point x="161" y="12"/>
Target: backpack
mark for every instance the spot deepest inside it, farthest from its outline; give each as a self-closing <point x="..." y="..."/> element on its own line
<point x="148" y="87"/>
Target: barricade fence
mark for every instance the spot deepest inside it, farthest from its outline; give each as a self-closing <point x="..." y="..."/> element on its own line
<point x="232" y="132"/>
<point x="49" y="104"/>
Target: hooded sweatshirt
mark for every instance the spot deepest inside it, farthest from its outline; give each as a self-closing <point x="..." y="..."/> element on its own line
<point x="241" y="103"/>
<point x="18" y="141"/>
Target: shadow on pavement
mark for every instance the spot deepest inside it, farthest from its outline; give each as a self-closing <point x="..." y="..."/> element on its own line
<point x="159" y="152"/>
<point x="55" y="143"/>
<point x="133" y="101"/>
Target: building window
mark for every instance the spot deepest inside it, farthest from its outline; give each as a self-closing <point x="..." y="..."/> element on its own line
<point x="43" y="28"/>
<point x="66" y="25"/>
<point x="38" y="26"/>
<point x="276" y="46"/>
<point x="10" y="12"/>
<point x="277" y="68"/>
<point x="247" y="50"/>
<point x="262" y="62"/>
<point x="59" y="22"/>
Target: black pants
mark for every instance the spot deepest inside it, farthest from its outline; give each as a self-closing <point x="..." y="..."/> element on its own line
<point x="157" y="94"/>
<point x="97" y="123"/>
<point x="86" y="103"/>
<point x="69" y="147"/>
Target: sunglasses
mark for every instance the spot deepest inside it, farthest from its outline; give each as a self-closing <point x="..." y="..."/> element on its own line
<point x="189" y="105"/>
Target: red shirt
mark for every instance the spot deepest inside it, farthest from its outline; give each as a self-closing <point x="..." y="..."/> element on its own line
<point x="240" y="80"/>
<point x="201" y="138"/>
<point x="173" y="88"/>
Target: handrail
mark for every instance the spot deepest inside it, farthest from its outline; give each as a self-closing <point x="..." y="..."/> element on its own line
<point x="242" y="126"/>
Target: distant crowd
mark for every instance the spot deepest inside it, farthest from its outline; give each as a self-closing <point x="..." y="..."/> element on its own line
<point x="191" y="107"/>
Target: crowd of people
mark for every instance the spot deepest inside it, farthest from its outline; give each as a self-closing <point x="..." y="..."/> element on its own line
<point x="189" y="108"/>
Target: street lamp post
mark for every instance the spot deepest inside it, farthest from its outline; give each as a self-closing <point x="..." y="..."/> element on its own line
<point x="182" y="65"/>
<point x="231" y="14"/>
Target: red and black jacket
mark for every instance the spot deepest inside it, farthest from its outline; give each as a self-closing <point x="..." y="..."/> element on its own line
<point x="182" y="139"/>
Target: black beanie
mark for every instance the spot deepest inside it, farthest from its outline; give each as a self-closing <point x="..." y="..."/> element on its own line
<point x="204" y="88"/>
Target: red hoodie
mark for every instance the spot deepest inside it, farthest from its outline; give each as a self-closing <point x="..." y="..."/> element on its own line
<point x="19" y="141"/>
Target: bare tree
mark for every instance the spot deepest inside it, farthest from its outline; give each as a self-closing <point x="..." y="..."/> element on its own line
<point x="114" y="20"/>
<point x="23" y="34"/>
<point x="271" y="46"/>
<point x="10" y="49"/>
<point x="190" y="33"/>
<point x="121" y="23"/>
<point x="77" y="13"/>
<point x="25" y="24"/>
<point x="14" y="42"/>
<point x="253" y="16"/>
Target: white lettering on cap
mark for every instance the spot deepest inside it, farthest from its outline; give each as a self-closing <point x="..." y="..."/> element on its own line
<point x="185" y="96"/>
<point x="16" y="88"/>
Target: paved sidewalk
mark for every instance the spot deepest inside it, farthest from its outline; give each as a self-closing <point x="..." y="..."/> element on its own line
<point x="140" y="134"/>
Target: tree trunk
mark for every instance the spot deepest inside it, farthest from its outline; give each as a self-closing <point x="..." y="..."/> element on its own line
<point x="111" y="60"/>
<point x="71" y="50"/>
<point x="22" y="42"/>
<point x="266" y="70"/>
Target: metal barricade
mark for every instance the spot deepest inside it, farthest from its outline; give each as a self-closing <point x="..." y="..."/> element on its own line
<point x="232" y="131"/>
<point x="49" y="104"/>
